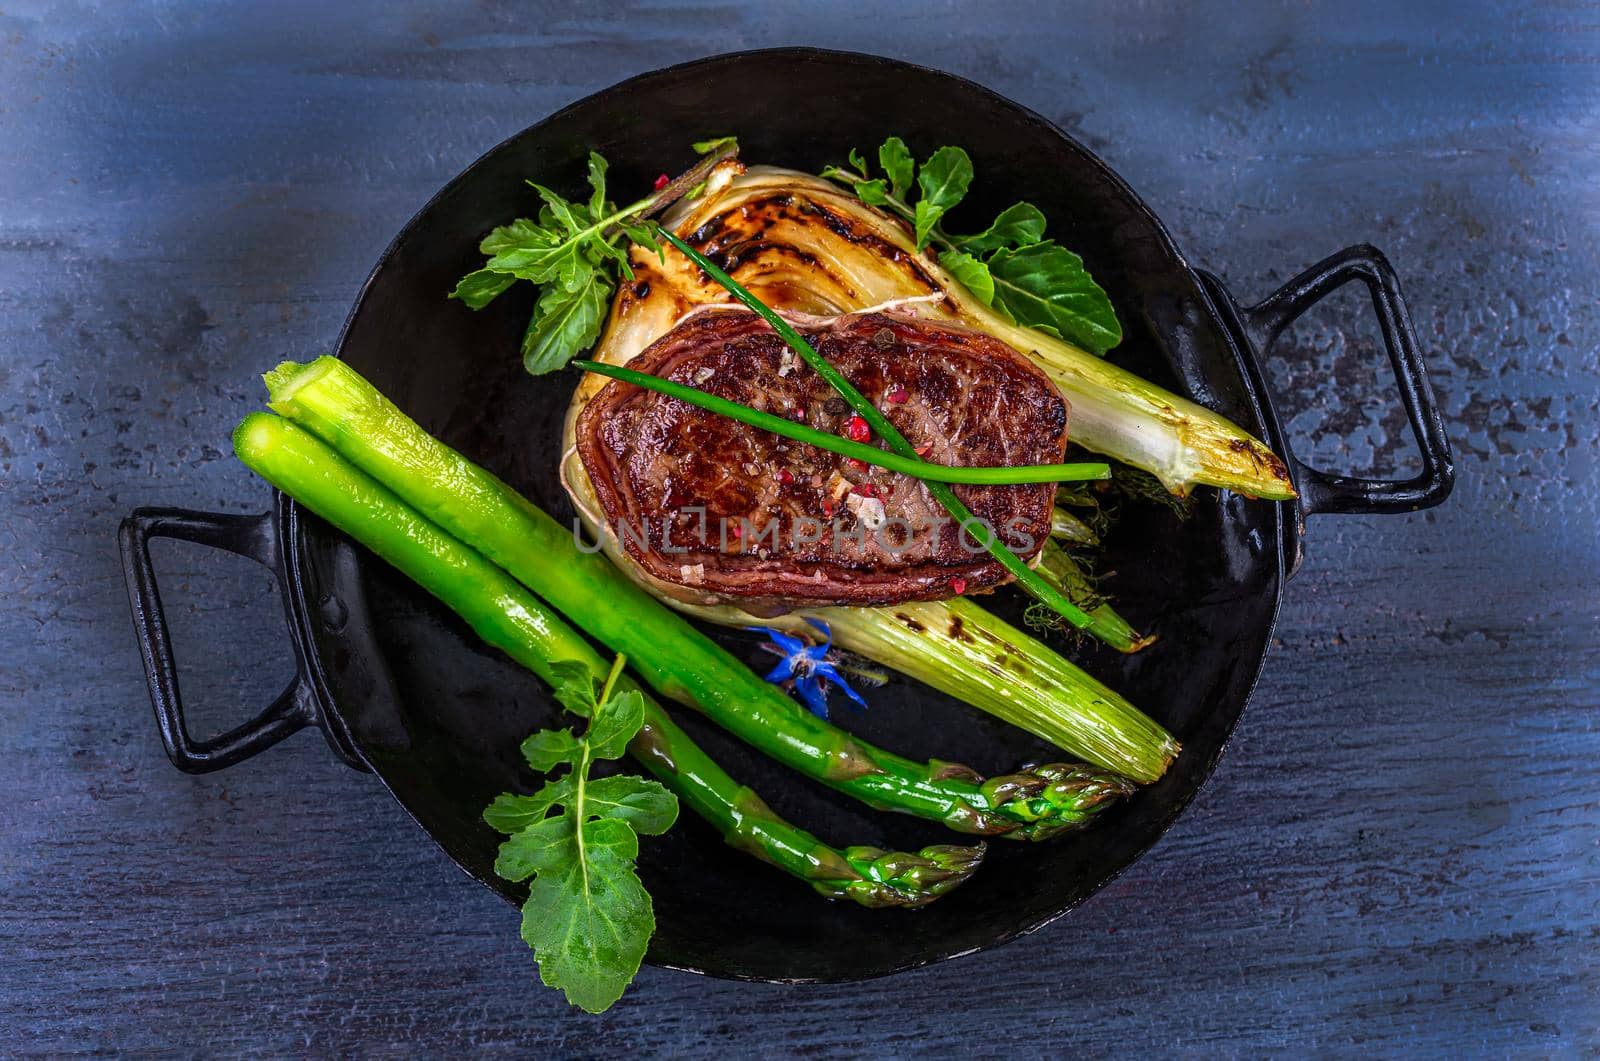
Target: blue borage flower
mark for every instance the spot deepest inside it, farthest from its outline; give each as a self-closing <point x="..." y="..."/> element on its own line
<point x="807" y="668"/>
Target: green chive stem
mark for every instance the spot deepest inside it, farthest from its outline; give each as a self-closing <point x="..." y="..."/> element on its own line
<point x="913" y="466"/>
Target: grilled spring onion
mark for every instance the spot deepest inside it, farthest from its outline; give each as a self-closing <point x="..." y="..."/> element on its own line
<point x="508" y="617"/>
<point x="961" y="649"/>
<point x="332" y="401"/>
<point x="895" y="462"/>
<point x="1063" y="572"/>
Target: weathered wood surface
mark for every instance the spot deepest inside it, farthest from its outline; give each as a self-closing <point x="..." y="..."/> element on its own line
<point x="1398" y="853"/>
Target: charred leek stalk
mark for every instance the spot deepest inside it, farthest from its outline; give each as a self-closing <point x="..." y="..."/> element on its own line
<point x="961" y="649"/>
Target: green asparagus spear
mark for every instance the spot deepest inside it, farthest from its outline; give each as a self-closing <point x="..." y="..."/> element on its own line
<point x="974" y="655"/>
<point x="335" y="403"/>
<point x="865" y="875"/>
<point x="510" y="618"/>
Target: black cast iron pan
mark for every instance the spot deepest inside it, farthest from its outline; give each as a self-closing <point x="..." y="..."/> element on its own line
<point x="402" y="688"/>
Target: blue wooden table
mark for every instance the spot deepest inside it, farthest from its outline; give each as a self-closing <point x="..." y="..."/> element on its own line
<point x="1399" y="851"/>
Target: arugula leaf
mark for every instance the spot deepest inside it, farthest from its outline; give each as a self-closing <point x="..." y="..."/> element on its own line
<point x="926" y="216"/>
<point x="534" y="849"/>
<point x="511" y="812"/>
<point x="612" y="728"/>
<point x="564" y="323"/>
<point x="873" y="192"/>
<point x="574" y="686"/>
<point x="480" y="288"/>
<point x="600" y="252"/>
<point x="706" y="147"/>
<point x="973" y="274"/>
<point x="645" y="805"/>
<point x="945" y="177"/>
<point x="575" y="252"/>
<point x="572" y="251"/>
<point x="587" y="917"/>
<point x="542" y="259"/>
<point x="1045" y="286"/>
<point x="1009" y="266"/>
<point x="896" y="160"/>
<point x="647" y="235"/>
<point x="520" y="233"/>
<point x="597" y="182"/>
<point x="943" y="181"/>
<point x="1018" y="225"/>
<point x="570" y="216"/>
<point x="549" y="748"/>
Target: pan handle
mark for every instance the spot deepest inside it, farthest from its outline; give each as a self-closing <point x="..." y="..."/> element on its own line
<point x="1320" y="491"/>
<point x="250" y="536"/>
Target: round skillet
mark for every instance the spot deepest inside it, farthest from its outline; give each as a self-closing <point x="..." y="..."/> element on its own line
<point x="402" y="688"/>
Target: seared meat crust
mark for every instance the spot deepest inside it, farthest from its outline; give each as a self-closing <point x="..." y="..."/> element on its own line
<point x="731" y="512"/>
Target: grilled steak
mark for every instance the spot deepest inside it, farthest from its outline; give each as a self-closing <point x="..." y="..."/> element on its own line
<point x="732" y="512"/>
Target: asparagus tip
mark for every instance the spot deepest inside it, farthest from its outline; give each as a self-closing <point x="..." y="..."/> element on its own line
<point x="902" y="879"/>
<point x="1052" y="798"/>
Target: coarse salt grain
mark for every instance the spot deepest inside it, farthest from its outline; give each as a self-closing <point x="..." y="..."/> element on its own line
<point x="869" y="510"/>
